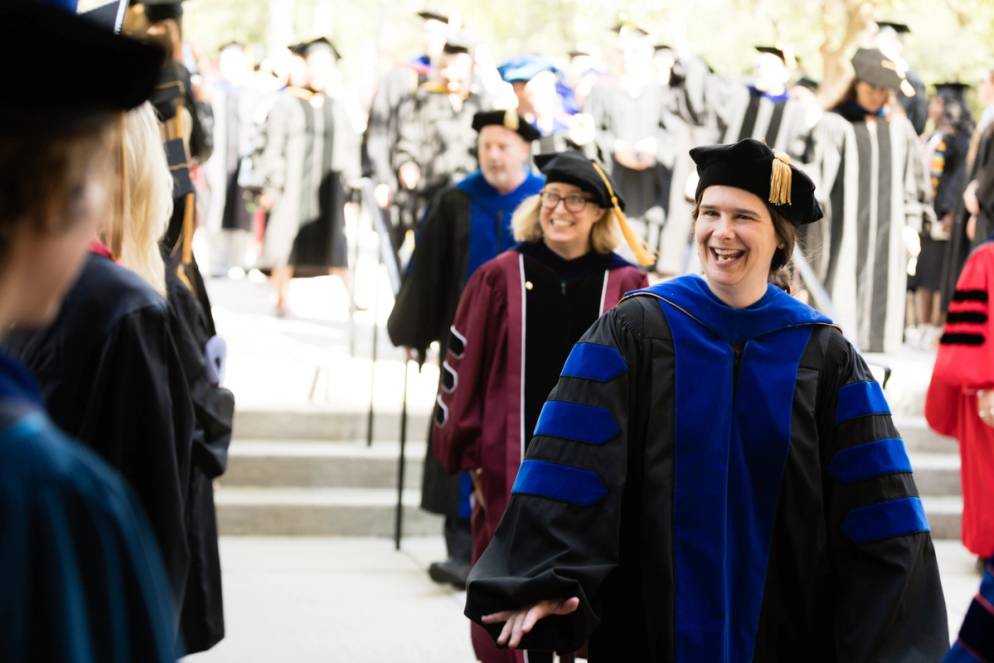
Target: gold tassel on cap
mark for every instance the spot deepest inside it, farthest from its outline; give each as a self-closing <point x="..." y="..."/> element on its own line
<point x="641" y="255"/>
<point x="780" y="179"/>
<point x="511" y="120"/>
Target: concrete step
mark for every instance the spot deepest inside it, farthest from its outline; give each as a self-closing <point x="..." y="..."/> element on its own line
<point x="936" y="474"/>
<point x="315" y="463"/>
<point x="918" y="436"/>
<point x="319" y="512"/>
<point x="945" y="516"/>
<point x="314" y="423"/>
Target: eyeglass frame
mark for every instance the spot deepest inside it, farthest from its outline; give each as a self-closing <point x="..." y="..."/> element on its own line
<point x="544" y="195"/>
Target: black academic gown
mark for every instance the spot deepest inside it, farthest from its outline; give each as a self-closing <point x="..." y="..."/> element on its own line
<point x="82" y="579"/>
<point x="202" y="616"/>
<point x="717" y="485"/>
<point x="111" y="376"/>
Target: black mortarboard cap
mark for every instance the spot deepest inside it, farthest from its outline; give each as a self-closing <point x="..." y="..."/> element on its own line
<point x="458" y="43"/>
<point x="773" y="50"/>
<point x="433" y="14"/>
<point x="899" y="28"/>
<point x="323" y="42"/>
<point x="754" y="167"/>
<point x="952" y="89"/>
<point x="509" y="119"/>
<point x="161" y="10"/>
<point x="872" y="66"/>
<point x="629" y="25"/>
<point x="573" y="167"/>
<point x="808" y="82"/>
<point x="109" y="16"/>
<point x="83" y="69"/>
<point x="298" y="48"/>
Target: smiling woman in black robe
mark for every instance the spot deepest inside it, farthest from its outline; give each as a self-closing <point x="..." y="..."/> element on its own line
<point x="721" y="479"/>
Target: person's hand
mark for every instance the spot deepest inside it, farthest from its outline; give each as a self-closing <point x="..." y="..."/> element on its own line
<point x="971" y="227"/>
<point x="518" y="623"/>
<point x="267" y="200"/>
<point x="985" y="406"/>
<point x="970" y="198"/>
<point x="912" y="241"/>
<point x="382" y="194"/>
<point x="409" y="174"/>
<point x="947" y="222"/>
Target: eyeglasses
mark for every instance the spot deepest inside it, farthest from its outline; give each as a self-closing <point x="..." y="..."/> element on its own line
<point x="573" y="204"/>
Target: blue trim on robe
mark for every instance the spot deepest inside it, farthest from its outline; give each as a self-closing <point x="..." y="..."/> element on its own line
<point x="576" y="422"/>
<point x="17" y="382"/>
<point x="489" y="209"/>
<point x="885" y="520"/>
<point x="732" y="444"/>
<point x="976" y="635"/>
<point x="774" y="311"/>
<point x="562" y="483"/>
<point x="860" y="399"/>
<point x="870" y="460"/>
<point x="593" y="361"/>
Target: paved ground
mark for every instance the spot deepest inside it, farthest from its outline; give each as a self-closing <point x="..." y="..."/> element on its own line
<point x="358" y="601"/>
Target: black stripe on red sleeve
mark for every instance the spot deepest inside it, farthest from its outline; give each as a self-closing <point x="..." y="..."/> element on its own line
<point x="976" y="317"/>
<point x="962" y="339"/>
<point x="970" y="296"/>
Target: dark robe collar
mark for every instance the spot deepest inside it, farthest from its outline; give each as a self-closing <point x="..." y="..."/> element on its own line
<point x="853" y="112"/>
<point x="774" y="311"/>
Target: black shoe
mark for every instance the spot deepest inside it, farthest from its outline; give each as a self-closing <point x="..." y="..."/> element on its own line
<point x="450" y="572"/>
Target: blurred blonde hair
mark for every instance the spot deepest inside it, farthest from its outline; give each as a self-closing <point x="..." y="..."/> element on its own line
<point x="527" y="227"/>
<point x="149" y="204"/>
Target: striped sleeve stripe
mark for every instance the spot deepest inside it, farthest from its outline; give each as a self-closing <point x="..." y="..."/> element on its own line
<point x="860" y="399"/>
<point x="962" y="339"/>
<point x="970" y="296"/>
<point x="593" y="361"/>
<point x="866" y="461"/>
<point x="976" y="636"/>
<point x="966" y="317"/>
<point x="885" y="520"/>
<point x="562" y="483"/>
<point x="580" y="423"/>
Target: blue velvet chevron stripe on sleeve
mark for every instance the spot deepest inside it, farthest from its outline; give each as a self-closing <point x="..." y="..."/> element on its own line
<point x="592" y="361"/>
<point x="885" y="520"/>
<point x="563" y="483"/>
<point x="869" y="460"/>
<point x="860" y="399"/>
<point x="580" y="423"/>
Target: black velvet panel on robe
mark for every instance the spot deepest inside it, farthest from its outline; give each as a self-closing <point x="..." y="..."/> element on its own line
<point x="111" y="377"/>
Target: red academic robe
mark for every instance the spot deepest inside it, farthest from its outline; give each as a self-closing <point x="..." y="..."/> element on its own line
<point x="479" y="421"/>
<point x="965" y="364"/>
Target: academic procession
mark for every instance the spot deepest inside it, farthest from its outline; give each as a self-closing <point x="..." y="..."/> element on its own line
<point x="524" y="333"/>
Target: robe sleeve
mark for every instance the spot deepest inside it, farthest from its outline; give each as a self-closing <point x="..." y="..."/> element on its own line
<point x="462" y="394"/>
<point x="409" y="133"/>
<point x="422" y="305"/>
<point x="917" y="190"/>
<point x="150" y="439"/>
<point x="560" y="534"/>
<point x="888" y="596"/>
<point x="273" y="159"/>
<point x="83" y="580"/>
<point x="966" y="349"/>
<point x="604" y="135"/>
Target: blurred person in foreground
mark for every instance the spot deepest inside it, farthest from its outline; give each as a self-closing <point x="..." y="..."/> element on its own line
<point x="716" y="476"/>
<point x="82" y="575"/>
<point x="517" y="320"/>
<point x="468" y="224"/>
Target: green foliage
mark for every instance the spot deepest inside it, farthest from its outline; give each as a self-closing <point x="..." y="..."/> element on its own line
<point x="951" y="39"/>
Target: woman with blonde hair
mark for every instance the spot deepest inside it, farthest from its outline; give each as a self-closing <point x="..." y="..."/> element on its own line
<point x="136" y="226"/>
<point x="517" y="319"/>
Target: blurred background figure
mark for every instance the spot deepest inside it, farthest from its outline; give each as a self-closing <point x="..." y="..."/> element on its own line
<point x="911" y="93"/>
<point x="381" y="136"/>
<point x="630" y="119"/>
<point x="310" y="158"/>
<point x="435" y="138"/>
<point x="945" y="153"/>
<point x="229" y="217"/>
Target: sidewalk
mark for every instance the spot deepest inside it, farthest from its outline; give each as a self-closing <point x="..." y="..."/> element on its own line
<point x="307" y="600"/>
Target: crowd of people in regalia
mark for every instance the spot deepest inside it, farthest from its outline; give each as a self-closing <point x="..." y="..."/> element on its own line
<point x="648" y="287"/>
